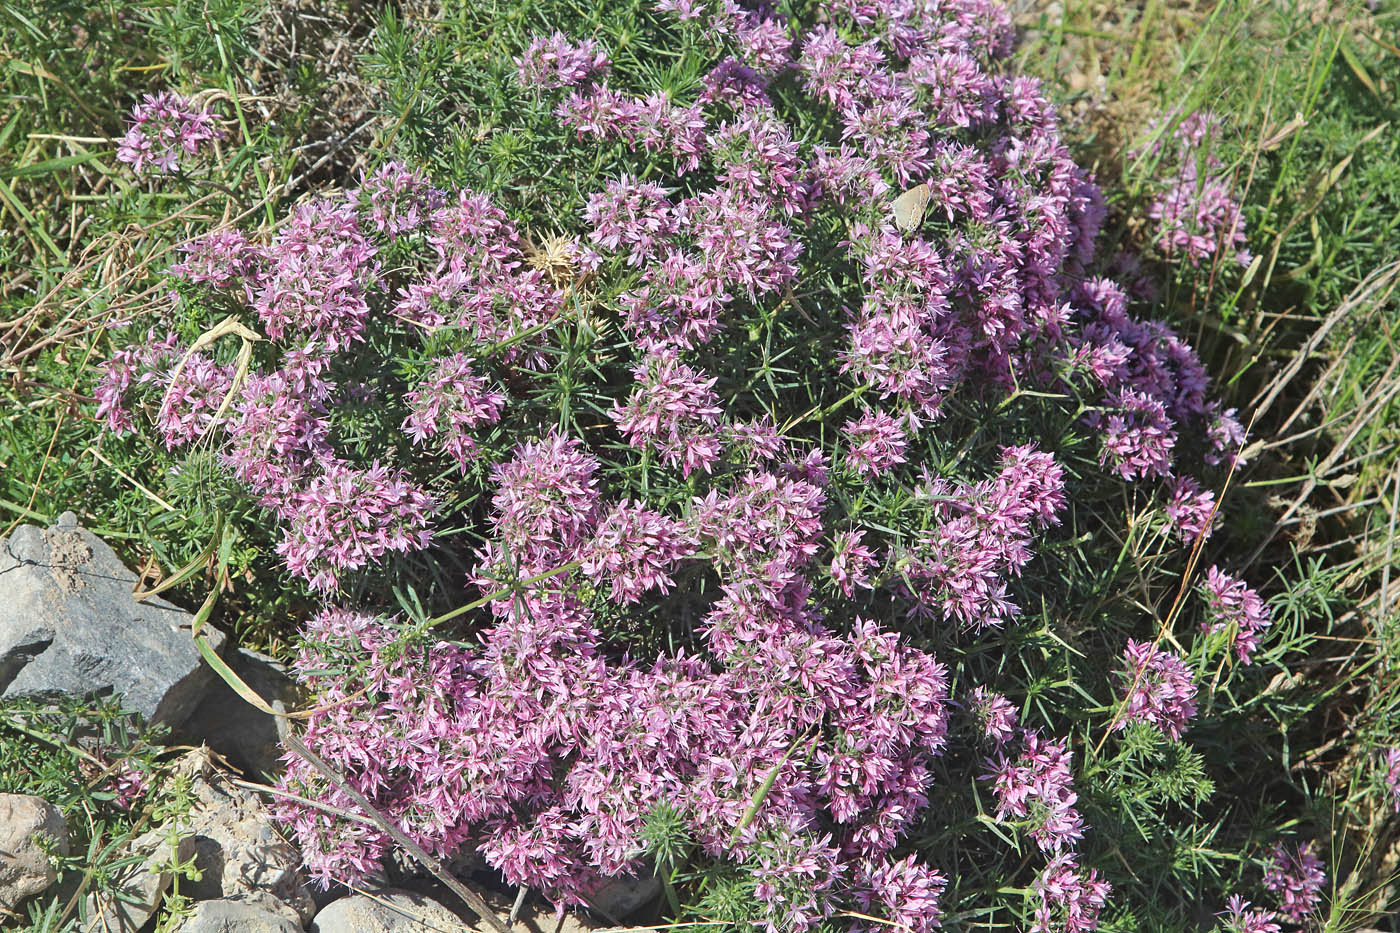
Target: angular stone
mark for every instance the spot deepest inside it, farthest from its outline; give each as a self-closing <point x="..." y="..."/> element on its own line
<point x="236" y="844"/>
<point x="388" y="911"/>
<point x="142" y="884"/>
<point x="227" y="723"/>
<point x="251" y="913"/>
<point x="69" y="628"/>
<point x="27" y="825"/>
<point x="619" y="898"/>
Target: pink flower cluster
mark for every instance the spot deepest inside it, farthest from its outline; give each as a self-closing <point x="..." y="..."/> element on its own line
<point x="221" y="259"/>
<point x="1158" y="689"/>
<point x="1392" y="774"/>
<point x="1069" y="899"/>
<point x="876" y="442"/>
<point x="1191" y="510"/>
<point x="165" y="127"/>
<point x="673" y="410"/>
<point x="449" y="402"/>
<point x="1152" y="381"/>
<point x="276" y="434"/>
<point x="1238" y="917"/>
<point x="397" y="199"/>
<point x="554" y="62"/>
<point x="1197" y="214"/>
<point x="548" y="758"/>
<point x="1296" y="875"/>
<point x="982" y="534"/>
<point x="1035" y="787"/>
<point x="346" y="518"/>
<point x="319" y="276"/>
<point x="852" y="563"/>
<point x="996" y="715"/>
<point x="1233" y="607"/>
<point x="478" y="280"/>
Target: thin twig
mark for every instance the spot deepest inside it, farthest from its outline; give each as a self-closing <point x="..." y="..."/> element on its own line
<point x="468" y="896"/>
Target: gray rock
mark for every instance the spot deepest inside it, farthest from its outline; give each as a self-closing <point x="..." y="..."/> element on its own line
<point x="69" y="627"/>
<point x="387" y="911"/>
<point x="236" y="845"/>
<point x="619" y="898"/>
<point x="227" y="723"/>
<point x="141" y="883"/>
<point x="253" y="913"/>
<point x="27" y="825"/>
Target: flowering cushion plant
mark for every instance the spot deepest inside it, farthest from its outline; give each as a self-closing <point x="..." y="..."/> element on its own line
<point x="743" y="480"/>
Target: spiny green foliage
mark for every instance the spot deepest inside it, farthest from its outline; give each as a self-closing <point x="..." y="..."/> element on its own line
<point x="1308" y="94"/>
<point x="108" y="779"/>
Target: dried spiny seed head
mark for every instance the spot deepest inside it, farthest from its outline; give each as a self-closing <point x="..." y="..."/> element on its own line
<point x="556" y="257"/>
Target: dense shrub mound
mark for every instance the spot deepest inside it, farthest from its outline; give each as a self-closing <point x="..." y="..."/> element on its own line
<point x="822" y="504"/>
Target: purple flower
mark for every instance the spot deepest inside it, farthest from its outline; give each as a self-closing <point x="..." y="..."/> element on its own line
<point x="1237" y="917"/>
<point x="397" y="199"/>
<point x="631" y="217"/>
<point x="877" y="443"/>
<point x="123" y="378"/>
<point x="1038" y="787"/>
<point x="763" y="532"/>
<point x="1392" y="774"/>
<point x="757" y="157"/>
<point x="1136" y="434"/>
<point x="661" y="126"/>
<point x="673" y="410"/>
<point x="995" y="713"/>
<point x="598" y="110"/>
<point x="1297" y="876"/>
<point x="1157" y="689"/>
<point x="546" y="505"/>
<point x="846" y="176"/>
<point x="982" y="534"/>
<point x="1226" y="436"/>
<point x="898" y="342"/>
<point x="164" y="127"/>
<point x="320" y="272"/>
<point x="954" y="86"/>
<point x="677" y="304"/>
<point x="852" y="563"/>
<point x="892" y="133"/>
<point x="763" y="42"/>
<point x="736" y="85"/>
<point x="347" y="518"/>
<point x="1191" y="510"/>
<point x="1138" y="359"/>
<point x="448" y="403"/>
<point x="841" y="75"/>
<point x="636" y="550"/>
<point x="221" y="258"/>
<point x="191" y="398"/>
<point x="128" y="785"/>
<point x="277" y="431"/>
<point x="740" y="243"/>
<point x="757" y="441"/>
<point x="1197" y="213"/>
<point x="1070" y="900"/>
<point x="1233" y="607"/>
<point x="904" y="892"/>
<point x="554" y="62"/>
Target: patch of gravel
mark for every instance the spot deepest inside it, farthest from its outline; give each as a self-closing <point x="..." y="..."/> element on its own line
<point x="68" y="553"/>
